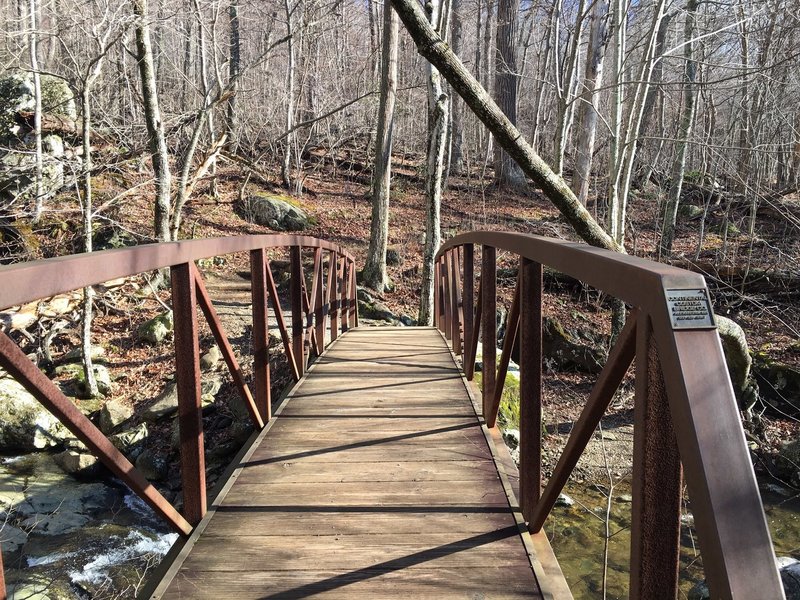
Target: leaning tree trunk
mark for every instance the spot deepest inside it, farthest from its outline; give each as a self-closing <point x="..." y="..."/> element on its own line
<point x="506" y="170"/>
<point x="431" y="46"/>
<point x="590" y="100"/>
<point x="679" y="164"/>
<point x="152" y="115"/>
<point x="374" y="275"/>
<point x="437" y="137"/>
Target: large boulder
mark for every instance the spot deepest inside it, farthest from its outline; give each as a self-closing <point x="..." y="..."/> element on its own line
<point x="25" y="425"/>
<point x="17" y="162"/>
<point x="779" y="384"/>
<point x="156" y="330"/>
<point x="275" y="212"/>
<point x="737" y="357"/>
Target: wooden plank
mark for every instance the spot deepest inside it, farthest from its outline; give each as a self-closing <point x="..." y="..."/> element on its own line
<point x="380" y="436"/>
<point x="276" y="520"/>
<point x="498" y="583"/>
<point x="283" y="553"/>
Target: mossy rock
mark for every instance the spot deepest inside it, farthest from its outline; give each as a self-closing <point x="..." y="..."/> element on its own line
<point x="156" y="330"/>
<point x="739" y="362"/>
<point x="277" y="212"/>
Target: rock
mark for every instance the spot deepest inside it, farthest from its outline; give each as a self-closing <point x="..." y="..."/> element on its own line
<point x="275" y="212"/>
<point x="689" y="212"/>
<point x="156" y="330"/>
<point x="577" y="350"/>
<point x="377" y="311"/>
<point x="788" y="462"/>
<point x="408" y="321"/>
<point x="17" y="162"/>
<point x="98" y="354"/>
<point x="699" y="591"/>
<point x="564" y="501"/>
<point x="789" y="569"/>
<point x="167" y="403"/>
<point x="24" y="423"/>
<point x="608" y="436"/>
<point x="364" y="296"/>
<point x="393" y="258"/>
<point x="17" y="96"/>
<point x="625" y="498"/>
<point x="78" y="378"/>
<point x="47" y="499"/>
<point x="511" y="438"/>
<point x="210" y="360"/>
<point x="113" y="414"/>
<point x="737" y="357"/>
<point x="780" y="383"/>
<point x="12" y="537"/>
<point x="128" y="441"/>
<point x="72" y="462"/>
<point x="152" y="466"/>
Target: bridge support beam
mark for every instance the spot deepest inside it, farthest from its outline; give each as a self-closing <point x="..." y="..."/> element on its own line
<point x="489" y="327"/>
<point x="187" y="378"/>
<point x="258" y="277"/>
<point x="657" y="479"/>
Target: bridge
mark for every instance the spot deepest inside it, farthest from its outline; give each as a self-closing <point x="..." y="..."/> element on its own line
<point x="382" y="474"/>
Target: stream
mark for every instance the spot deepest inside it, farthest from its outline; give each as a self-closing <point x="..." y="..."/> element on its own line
<point x="577" y="534"/>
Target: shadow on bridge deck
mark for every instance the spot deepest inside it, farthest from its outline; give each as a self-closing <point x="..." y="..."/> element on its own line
<point x="375" y="479"/>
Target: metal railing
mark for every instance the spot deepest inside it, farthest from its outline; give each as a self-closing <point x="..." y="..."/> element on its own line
<point x="686" y="419"/>
<point x="330" y="302"/>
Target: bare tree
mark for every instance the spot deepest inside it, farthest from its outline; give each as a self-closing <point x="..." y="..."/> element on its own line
<point x="374" y="274"/>
<point x="155" y="127"/>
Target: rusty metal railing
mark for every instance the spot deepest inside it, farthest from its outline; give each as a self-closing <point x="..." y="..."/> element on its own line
<point x="685" y="415"/>
<point x="331" y="301"/>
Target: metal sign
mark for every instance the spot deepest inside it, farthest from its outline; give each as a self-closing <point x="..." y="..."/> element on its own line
<point x="690" y="309"/>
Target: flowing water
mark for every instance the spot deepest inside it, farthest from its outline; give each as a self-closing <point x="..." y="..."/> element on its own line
<point x="68" y="539"/>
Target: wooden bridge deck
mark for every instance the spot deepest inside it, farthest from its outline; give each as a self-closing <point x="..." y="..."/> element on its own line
<point x="375" y="479"/>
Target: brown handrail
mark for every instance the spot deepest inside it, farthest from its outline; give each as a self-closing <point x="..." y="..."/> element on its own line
<point x="24" y="282"/>
<point x="685" y="415"/>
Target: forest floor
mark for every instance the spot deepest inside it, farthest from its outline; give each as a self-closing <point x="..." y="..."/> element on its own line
<point x="339" y="202"/>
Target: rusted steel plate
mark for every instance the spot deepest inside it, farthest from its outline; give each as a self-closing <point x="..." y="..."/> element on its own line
<point x="187" y="378"/>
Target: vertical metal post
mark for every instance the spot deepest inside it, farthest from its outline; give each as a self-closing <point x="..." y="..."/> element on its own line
<point x="440" y="310"/>
<point x="330" y="292"/>
<point x="530" y="386"/>
<point x="437" y="276"/>
<point x="352" y="293"/>
<point x="316" y="302"/>
<point x="657" y="476"/>
<point x="489" y="324"/>
<point x="187" y="377"/>
<point x="447" y="296"/>
<point x="456" y="301"/>
<point x="343" y="294"/>
<point x="296" y="292"/>
<point x="261" y="376"/>
<point x="467" y="299"/>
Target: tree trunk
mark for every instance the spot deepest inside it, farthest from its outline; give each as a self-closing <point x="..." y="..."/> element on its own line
<point x="506" y="171"/>
<point x="374" y="275"/>
<point x="566" y="92"/>
<point x="590" y="100"/>
<point x="679" y="164"/>
<point x="432" y="47"/>
<point x="287" y="153"/>
<point x="457" y="105"/>
<point x="434" y="172"/>
<point x="33" y="39"/>
<point x="152" y="115"/>
<point x="234" y="66"/>
<point x="86" y="187"/>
